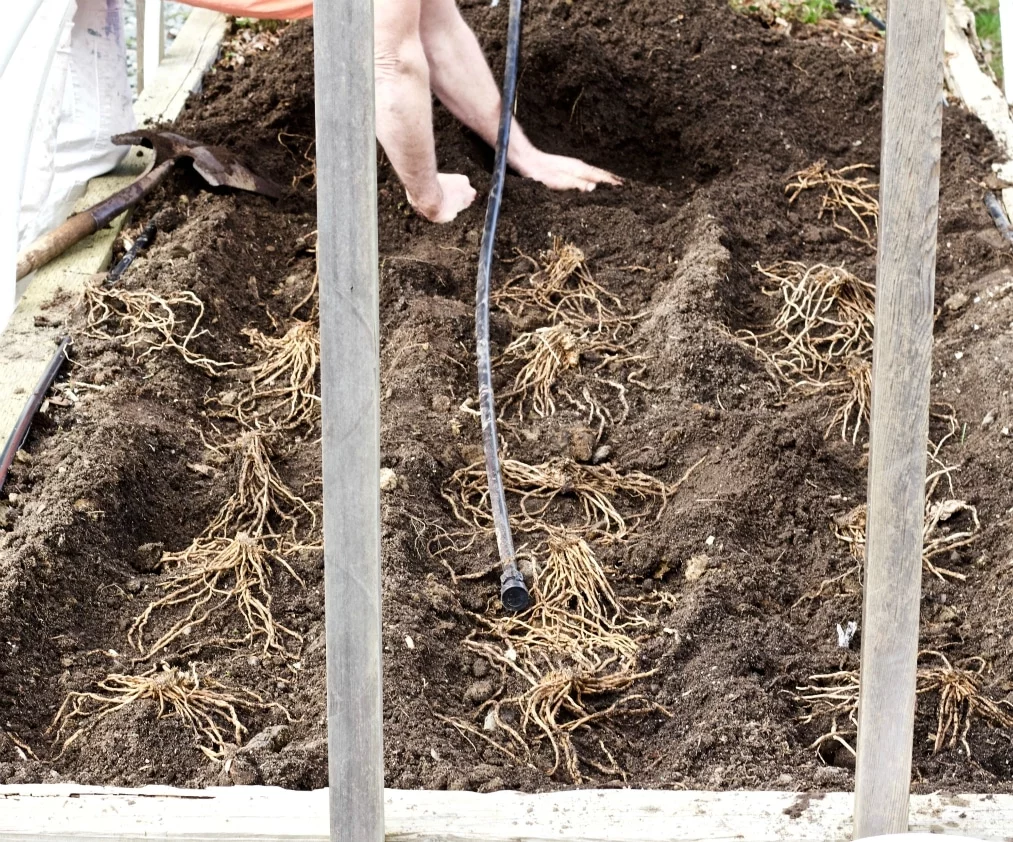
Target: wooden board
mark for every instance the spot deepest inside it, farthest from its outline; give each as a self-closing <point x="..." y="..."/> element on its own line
<point x="31" y="336"/>
<point x="899" y="425"/>
<point x="266" y="814"/>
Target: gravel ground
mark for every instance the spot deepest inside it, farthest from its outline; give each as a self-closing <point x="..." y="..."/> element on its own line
<point x="175" y="14"/>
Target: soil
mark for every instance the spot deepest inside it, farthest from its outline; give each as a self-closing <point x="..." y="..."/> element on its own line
<point x="706" y="114"/>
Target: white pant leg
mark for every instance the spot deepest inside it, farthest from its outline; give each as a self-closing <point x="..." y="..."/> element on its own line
<point x="96" y="104"/>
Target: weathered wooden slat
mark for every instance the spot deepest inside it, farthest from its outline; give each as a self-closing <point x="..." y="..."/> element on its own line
<point x="901" y="372"/>
<point x="347" y="258"/>
<point x="265" y="814"/>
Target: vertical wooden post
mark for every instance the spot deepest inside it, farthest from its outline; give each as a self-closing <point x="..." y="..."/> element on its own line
<point x="150" y="40"/>
<point x="1006" y="33"/>
<point x="350" y="380"/>
<point x="902" y="361"/>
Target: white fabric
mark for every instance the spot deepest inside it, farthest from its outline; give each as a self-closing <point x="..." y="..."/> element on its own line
<point x="64" y="81"/>
<point x="92" y="101"/>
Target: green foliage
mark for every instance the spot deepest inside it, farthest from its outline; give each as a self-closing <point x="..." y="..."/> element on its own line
<point x="803" y="11"/>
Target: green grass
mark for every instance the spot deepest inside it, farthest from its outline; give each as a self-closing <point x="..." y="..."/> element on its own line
<point x="804" y="11"/>
<point x="986" y="21"/>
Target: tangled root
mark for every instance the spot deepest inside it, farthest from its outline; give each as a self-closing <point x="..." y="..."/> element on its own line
<point x="538" y="486"/>
<point x="232" y="560"/>
<point x="850" y="529"/>
<point x="147" y="319"/>
<point x="563" y="287"/>
<point x="546" y="353"/>
<point x="845" y="193"/>
<point x="208" y="708"/>
<point x="854" y="412"/>
<point x="282" y="390"/>
<point x="260" y="497"/>
<point x="959" y="688"/>
<point x="960" y="700"/>
<point x="575" y="610"/>
<point x="821" y="340"/>
<point x="209" y="575"/>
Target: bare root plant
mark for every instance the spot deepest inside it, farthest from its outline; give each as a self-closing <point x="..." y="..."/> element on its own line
<point x="561" y="286"/>
<point x="548" y="353"/>
<point x="282" y="389"/>
<point x="846" y="193"/>
<point x="146" y="319"/>
<point x="937" y="538"/>
<point x="575" y="609"/>
<point x="232" y="561"/>
<point x="960" y="700"/>
<point x="209" y="709"/>
<point x="821" y="339"/>
<point x="209" y="575"/>
<point x="539" y="486"/>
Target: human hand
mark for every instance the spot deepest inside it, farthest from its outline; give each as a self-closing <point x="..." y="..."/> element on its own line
<point x="455" y="195"/>
<point x="560" y="173"/>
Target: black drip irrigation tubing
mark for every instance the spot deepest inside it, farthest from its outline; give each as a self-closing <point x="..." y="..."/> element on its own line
<point x="24" y="422"/>
<point x="513" y="591"/>
<point x="140" y="244"/>
<point x="998" y="214"/>
<point x="865" y="12"/>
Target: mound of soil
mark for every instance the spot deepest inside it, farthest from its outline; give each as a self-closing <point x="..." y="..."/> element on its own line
<point x="706" y="115"/>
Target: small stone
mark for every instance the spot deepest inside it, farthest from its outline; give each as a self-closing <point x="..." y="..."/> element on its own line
<point x="696" y="567"/>
<point x="582" y="442"/>
<point x="388" y="480"/>
<point x="988" y="420"/>
<point x="272" y="739"/>
<point x="441" y="403"/>
<point x="148" y="557"/>
<point x="956" y="302"/>
<point x="479" y="692"/>
<point x="243" y="773"/>
<point x="133" y="586"/>
<point x="480" y="669"/>
<point x="253" y="661"/>
<point x="784" y="778"/>
<point x="602" y="454"/>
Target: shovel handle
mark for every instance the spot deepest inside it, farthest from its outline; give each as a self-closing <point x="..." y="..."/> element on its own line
<point x="84" y="224"/>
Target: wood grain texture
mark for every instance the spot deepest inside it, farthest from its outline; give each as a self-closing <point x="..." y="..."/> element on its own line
<point x="347" y="258"/>
<point x="902" y="361"/>
<point x="264" y="814"/>
<point x="31" y="335"/>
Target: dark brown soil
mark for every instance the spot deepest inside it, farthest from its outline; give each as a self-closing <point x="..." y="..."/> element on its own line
<point x="706" y="114"/>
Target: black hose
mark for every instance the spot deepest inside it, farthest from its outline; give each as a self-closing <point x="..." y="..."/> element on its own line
<point x="998" y="214"/>
<point x="141" y="243"/>
<point x="513" y="591"/>
<point x="866" y="12"/>
<point x="24" y="422"/>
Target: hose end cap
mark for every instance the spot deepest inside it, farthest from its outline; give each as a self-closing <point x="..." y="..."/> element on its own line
<point x="513" y="592"/>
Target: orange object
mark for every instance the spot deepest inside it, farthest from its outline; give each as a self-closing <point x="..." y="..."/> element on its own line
<point x="276" y="9"/>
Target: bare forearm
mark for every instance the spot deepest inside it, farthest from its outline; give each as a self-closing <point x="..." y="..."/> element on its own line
<point x="461" y="78"/>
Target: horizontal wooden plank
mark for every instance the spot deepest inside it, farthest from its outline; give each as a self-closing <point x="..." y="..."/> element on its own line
<point x="266" y="814"/>
<point x="31" y="336"/>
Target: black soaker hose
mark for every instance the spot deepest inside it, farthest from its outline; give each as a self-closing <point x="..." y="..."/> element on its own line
<point x="867" y="13"/>
<point x="143" y="240"/>
<point x="513" y="591"/>
<point x="24" y="422"/>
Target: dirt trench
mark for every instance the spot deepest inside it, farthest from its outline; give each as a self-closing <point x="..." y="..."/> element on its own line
<point x="736" y="584"/>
